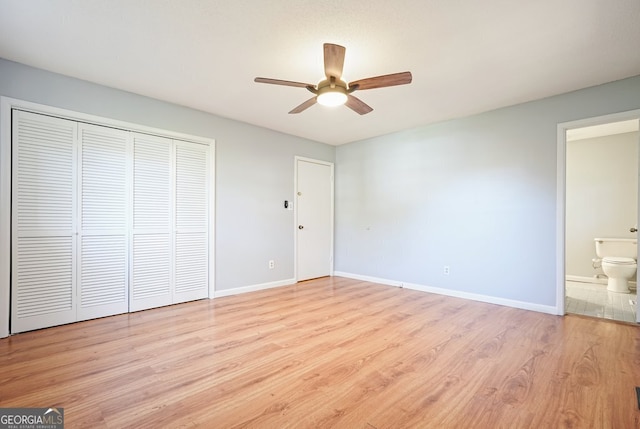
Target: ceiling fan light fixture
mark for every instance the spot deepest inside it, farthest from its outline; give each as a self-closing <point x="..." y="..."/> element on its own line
<point x="334" y="90"/>
<point x="332" y="97"/>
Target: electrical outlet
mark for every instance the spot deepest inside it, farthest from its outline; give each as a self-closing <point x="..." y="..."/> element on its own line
<point x="272" y="264"/>
<point x="445" y="271"/>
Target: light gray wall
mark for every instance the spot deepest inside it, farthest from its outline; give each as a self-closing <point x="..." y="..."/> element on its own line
<point x="602" y="196"/>
<point x="254" y="167"/>
<point x="477" y="194"/>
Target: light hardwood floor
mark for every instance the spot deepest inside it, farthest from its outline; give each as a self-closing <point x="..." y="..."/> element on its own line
<point x="331" y="352"/>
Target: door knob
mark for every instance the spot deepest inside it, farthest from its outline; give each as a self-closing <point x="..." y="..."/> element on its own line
<point x="632" y="229"/>
<point x="300" y="227"/>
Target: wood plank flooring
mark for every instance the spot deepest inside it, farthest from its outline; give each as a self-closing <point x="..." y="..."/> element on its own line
<point x="329" y="353"/>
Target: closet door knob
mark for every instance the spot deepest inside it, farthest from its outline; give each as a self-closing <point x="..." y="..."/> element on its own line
<point x="300" y="227"/>
<point x="633" y="229"/>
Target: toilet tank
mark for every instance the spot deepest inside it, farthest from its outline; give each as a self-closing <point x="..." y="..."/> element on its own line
<point x="620" y="247"/>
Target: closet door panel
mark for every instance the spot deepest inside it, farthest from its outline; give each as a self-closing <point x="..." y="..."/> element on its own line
<point x="192" y="222"/>
<point x="191" y="267"/>
<point x="43" y="281"/>
<point x="151" y="271"/>
<point x="103" y="276"/>
<point x="104" y="199"/>
<point x="152" y="265"/>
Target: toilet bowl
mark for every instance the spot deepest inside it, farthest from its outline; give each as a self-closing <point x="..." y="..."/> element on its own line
<point x="618" y="270"/>
<point x="618" y="256"/>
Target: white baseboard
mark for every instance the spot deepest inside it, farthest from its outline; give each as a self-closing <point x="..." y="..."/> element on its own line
<point x="454" y="293"/>
<point x="586" y="279"/>
<point x="600" y="281"/>
<point x="253" y="288"/>
<point x="368" y="279"/>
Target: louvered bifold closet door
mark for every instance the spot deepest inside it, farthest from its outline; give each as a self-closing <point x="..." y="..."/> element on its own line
<point x="104" y="200"/>
<point x="192" y="221"/>
<point x="43" y="275"/>
<point x="152" y="264"/>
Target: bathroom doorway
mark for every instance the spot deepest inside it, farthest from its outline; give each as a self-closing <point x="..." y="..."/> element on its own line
<point x="599" y="199"/>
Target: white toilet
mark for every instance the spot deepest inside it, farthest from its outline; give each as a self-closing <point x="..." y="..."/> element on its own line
<point x="619" y="256"/>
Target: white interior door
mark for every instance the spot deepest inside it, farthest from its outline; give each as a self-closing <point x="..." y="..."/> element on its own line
<point x="191" y="222"/>
<point x="151" y="268"/>
<point x="43" y="280"/>
<point x="104" y="211"/>
<point x="314" y="216"/>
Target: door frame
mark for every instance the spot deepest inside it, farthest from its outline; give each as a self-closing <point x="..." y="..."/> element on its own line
<point x="561" y="192"/>
<point x="298" y="159"/>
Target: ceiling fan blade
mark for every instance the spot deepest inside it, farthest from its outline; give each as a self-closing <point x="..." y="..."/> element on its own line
<point x="333" y="60"/>
<point x="383" y="81"/>
<point x="357" y="105"/>
<point x="281" y="82"/>
<point x="304" y="106"/>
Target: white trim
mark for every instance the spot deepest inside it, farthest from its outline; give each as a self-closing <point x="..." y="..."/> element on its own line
<point x="561" y="192"/>
<point x="548" y="309"/>
<point x="561" y="166"/>
<point x="295" y="211"/>
<point x="585" y="279"/>
<point x="103" y="121"/>
<point x="6" y="105"/>
<point x="382" y="281"/>
<point x="254" y="288"/>
<point x="600" y="281"/>
<point x="212" y="219"/>
<point x="5" y="215"/>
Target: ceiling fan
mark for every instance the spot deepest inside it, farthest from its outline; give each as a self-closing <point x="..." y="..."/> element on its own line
<point x="333" y="91"/>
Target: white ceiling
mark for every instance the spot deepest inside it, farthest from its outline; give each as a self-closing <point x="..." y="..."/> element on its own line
<point x="466" y="56"/>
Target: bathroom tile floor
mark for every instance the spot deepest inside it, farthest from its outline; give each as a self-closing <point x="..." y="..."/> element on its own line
<point x="593" y="299"/>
